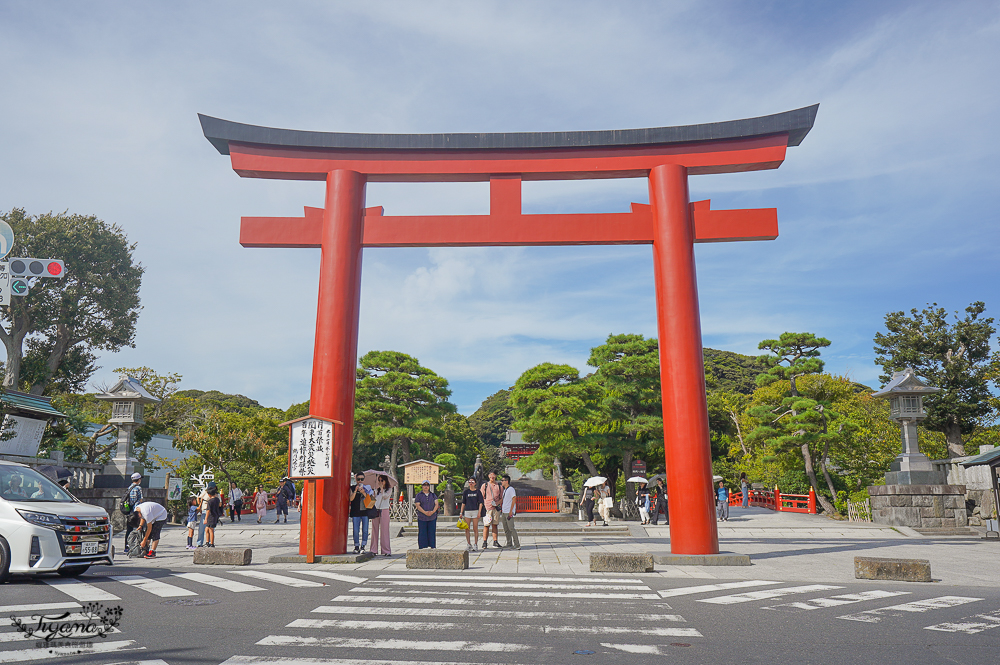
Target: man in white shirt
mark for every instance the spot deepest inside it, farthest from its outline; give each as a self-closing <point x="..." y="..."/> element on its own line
<point x="152" y="517"/>
<point x="508" y="508"/>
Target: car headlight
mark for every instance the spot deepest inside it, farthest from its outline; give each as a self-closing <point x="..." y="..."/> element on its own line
<point x="41" y="519"/>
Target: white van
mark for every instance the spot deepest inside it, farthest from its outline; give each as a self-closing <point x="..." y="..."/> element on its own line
<point x="44" y="529"/>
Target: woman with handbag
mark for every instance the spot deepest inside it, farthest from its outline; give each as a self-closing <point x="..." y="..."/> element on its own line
<point x="380" y="517"/>
<point x="472" y="501"/>
<point x="588" y="504"/>
<point x="605" y="498"/>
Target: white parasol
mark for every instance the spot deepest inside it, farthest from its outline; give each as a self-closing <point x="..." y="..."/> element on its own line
<point x="636" y="479"/>
<point x="371" y="478"/>
<point x="595" y="481"/>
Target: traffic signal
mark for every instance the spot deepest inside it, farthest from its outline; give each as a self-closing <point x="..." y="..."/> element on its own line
<point x="37" y="268"/>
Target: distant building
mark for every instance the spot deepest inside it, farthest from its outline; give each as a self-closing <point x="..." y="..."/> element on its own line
<point x="517" y="447"/>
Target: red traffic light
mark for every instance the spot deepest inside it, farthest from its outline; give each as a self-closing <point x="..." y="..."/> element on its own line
<point x="54" y="268"/>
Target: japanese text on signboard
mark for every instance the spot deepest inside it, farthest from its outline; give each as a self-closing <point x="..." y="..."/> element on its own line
<point x="416" y="474"/>
<point x="310" y="454"/>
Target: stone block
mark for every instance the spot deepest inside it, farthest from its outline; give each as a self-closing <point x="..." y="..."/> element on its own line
<point x="923" y="501"/>
<point x="903" y="570"/>
<point x="621" y="562"/>
<point x="721" y="559"/>
<point x="930" y="522"/>
<point x="961" y="518"/>
<point x="223" y="556"/>
<point x="428" y="559"/>
<point x="904" y="501"/>
<point x="954" y="501"/>
<point x="948" y="522"/>
<point x="350" y="557"/>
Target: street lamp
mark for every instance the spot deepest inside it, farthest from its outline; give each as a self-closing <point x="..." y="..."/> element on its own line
<point x="906" y="392"/>
<point x="128" y="399"/>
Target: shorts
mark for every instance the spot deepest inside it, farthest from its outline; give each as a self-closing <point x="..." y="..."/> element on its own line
<point x="211" y="521"/>
<point x="192" y="524"/>
<point x="154" y="535"/>
<point x="281" y="509"/>
<point x="471" y="514"/>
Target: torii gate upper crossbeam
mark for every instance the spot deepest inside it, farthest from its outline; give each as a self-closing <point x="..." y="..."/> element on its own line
<point x="672" y="224"/>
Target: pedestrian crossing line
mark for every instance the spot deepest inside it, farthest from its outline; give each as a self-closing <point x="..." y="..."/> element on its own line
<point x="156" y="661"/>
<point x="387" y="644"/>
<point x="42" y="653"/>
<point x="80" y="590"/>
<point x="521" y="597"/>
<point x="364" y="624"/>
<point x="511" y="578"/>
<point x="39" y="607"/>
<point x="15" y="636"/>
<point x="766" y="594"/>
<point x="970" y="625"/>
<point x="155" y="587"/>
<point x="486" y="614"/>
<point x="645" y="649"/>
<point x="424" y="599"/>
<point x="520" y="585"/>
<point x="705" y="588"/>
<point x="280" y="579"/>
<point x="333" y="576"/>
<point x="219" y="582"/>
<point x="834" y="601"/>
<point x="942" y="602"/>
<point x="282" y="660"/>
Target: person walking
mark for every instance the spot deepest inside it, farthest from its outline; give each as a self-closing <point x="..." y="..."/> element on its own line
<point x="492" y="492"/>
<point x="149" y="518"/>
<point x="745" y="488"/>
<point x="658" y="502"/>
<point x="281" y="499"/>
<point x="134" y="497"/>
<point x="380" y="524"/>
<point x="192" y="521"/>
<point x="508" y="508"/>
<point x="260" y="503"/>
<point x="642" y="500"/>
<point x="361" y="494"/>
<point x="427" y="512"/>
<point x="604" y="493"/>
<point x="212" y="515"/>
<point x="203" y="499"/>
<point x="235" y="502"/>
<point x="472" y="502"/>
<point x="588" y="504"/>
<point x="722" y="501"/>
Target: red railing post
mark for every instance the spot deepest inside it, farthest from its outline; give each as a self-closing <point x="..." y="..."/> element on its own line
<point x="812" y="501"/>
<point x="777" y="499"/>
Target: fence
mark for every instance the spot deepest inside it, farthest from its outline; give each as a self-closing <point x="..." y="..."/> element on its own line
<point x="82" y="473"/>
<point x="859" y="511"/>
<point x="536" y="504"/>
<point x="775" y="500"/>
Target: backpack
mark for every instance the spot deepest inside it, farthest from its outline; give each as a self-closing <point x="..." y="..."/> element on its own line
<point x="124" y="505"/>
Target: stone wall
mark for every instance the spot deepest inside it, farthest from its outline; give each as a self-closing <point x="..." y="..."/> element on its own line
<point x="108" y="498"/>
<point x="980" y="503"/>
<point x="920" y="506"/>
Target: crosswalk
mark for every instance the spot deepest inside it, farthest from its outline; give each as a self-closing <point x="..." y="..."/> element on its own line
<point x="439" y="616"/>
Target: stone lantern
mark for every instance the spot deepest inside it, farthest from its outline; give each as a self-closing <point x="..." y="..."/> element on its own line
<point x="128" y="399"/>
<point x="906" y="392"/>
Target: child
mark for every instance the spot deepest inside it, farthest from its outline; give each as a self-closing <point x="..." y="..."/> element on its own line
<point x="212" y="516"/>
<point x="192" y="521"/>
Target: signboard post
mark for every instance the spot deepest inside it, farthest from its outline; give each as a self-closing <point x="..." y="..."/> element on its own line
<point x="415" y="473"/>
<point x="638" y="468"/>
<point x="310" y="457"/>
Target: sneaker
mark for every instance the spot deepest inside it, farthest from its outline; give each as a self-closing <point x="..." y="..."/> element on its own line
<point x="468" y="547"/>
<point x="190" y="547"/>
<point x="518" y="548"/>
<point x="149" y="555"/>
<point x="497" y="545"/>
<point x="486" y="544"/>
<point x="356" y="549"/>
<point x="474" y="548"/>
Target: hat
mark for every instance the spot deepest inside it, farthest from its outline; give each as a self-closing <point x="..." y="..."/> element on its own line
<point x="136" y="476"/>
<point x="426" y="482"/>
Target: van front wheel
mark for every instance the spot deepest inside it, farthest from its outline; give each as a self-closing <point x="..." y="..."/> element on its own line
<point x="72" y="571"/>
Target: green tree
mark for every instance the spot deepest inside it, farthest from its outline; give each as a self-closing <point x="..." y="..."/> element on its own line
<point x="399" y="405"/>
<point x="953" y="356"/>
<point x="796" y="423"/>
<point x="552" y="405"/>
<point x="731" y="372"/>
<point x="493" y="418"/>
<point x="94" y="307"/>
<point x="226" y="441"/>
<point x="628" y="368"/>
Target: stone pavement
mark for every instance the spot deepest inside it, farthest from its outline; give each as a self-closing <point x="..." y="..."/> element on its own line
<point x="782" y="547"/>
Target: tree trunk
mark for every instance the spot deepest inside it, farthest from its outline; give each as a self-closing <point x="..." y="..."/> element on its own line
<point x="826" y="473"/>
<point x="589" y="463"/>
<point x="59" y="349"/>
<point x="739" y="433"/>
<point x="811" y="472"/>
<point x="627" y="470"/>
<point x="13" y="343"/>
<point x="953" y="435"/>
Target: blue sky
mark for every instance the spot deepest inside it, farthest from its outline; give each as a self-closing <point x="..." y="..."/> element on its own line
<point x="890" y="203"/>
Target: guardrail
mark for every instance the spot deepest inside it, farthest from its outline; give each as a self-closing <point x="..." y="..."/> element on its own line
<point x="536" y="504"/>
<point x="775" y="500"/>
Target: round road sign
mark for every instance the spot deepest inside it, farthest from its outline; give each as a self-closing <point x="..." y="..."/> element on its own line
<point x="6" y="239"/>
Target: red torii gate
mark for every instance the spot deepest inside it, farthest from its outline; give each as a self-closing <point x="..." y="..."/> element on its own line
<point x="672" y="224"/>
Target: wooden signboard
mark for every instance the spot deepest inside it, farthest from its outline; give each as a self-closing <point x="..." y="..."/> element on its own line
<point x="638" y="468"/>
<point x="415" y="473"/>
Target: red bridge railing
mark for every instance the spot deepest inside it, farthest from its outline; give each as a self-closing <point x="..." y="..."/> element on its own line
<point x="536" y="504"/>
<point x="775" y="500"/>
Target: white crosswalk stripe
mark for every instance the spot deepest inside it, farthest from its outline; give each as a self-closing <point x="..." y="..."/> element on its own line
<point x="706" y="588"/>
<point x="766" y="594"/>
<point x="486" y="614"/>
<point x="219" y="582"/>
<point x="970" y="625"/>
<point x="527" y="593"/>
<point x="511" y="578"/>
<point x="155" y="587"/>
<point x="917" y="606"/>
<point x="519" y="585"/>
<point x="388" y="645"/>
<point x="333" y="576"/>
<point x="283" y="660"/>
<point x="280" y="579"/>
<point x="834" y="601"/>
<point x="80" y="590"/>
<point x="646" y="649"/>
<point x="36" y="607"/>
<point x="358" y="624"/>
<point x="42" y="653"/>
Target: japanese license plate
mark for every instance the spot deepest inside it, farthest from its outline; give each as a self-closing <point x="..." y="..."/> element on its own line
<point x="89" y="548"/>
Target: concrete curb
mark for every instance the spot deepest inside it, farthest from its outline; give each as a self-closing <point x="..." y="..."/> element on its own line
<point x="721" y="559"/>
<point x="223" y="556"/>
<point x="900" y="570"/>
<point x="621" y="562"/>
<point x="432" y="559"/>
<point x="361" y="557"/>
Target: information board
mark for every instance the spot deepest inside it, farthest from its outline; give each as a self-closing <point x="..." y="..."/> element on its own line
<point x="27" y="435"/>
<point x="416" y="474"/>
<point x="310" y="448"/>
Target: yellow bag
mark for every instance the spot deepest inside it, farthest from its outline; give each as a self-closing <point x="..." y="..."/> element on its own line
<point x="462" y="524"/>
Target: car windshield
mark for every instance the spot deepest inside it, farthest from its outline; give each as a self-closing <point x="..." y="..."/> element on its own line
<point x="21" y="483"/>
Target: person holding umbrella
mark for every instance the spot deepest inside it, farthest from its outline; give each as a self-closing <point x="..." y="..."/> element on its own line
<point x="590" y="494"/>
<point x="641" y="497"/>
<point x="384" y="490"/>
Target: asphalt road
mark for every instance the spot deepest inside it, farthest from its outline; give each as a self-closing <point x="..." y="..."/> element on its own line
<point x="210" y="616"/>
